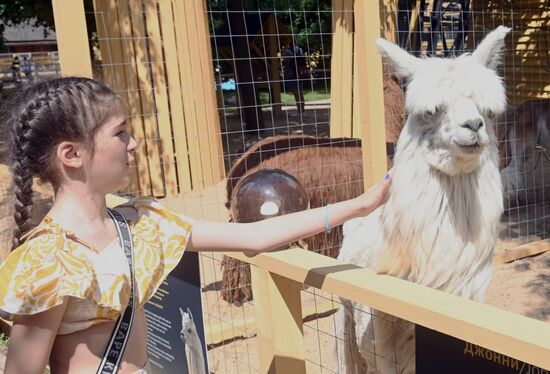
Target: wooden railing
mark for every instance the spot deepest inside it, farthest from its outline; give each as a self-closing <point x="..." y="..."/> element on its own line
<point x="276" y="283"/>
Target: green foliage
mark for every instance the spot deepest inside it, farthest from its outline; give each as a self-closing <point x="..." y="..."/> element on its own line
<point x="17" y="11"/>
<point x="38" y="12"/>
<point x="310" y="21"/>
<point x="4" y="339"/>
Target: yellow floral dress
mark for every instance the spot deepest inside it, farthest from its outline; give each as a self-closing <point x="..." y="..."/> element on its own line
<point x="54" y="263"/>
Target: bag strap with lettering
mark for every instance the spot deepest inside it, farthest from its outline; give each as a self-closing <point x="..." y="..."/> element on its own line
<point x="121" y="333"/>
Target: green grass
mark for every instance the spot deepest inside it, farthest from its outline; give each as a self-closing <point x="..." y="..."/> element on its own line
<point x="287" y="98"/>
<point x="3" y="341"/>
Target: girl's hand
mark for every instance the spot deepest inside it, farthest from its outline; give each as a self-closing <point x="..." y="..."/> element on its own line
<point x="375" y="196"/>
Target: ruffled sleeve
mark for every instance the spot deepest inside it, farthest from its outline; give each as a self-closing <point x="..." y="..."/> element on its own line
<point x="160" y="237"/>
<point x="40" y="273"/>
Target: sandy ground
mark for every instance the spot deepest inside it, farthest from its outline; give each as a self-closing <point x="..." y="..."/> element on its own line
<point x="522" y="286"/>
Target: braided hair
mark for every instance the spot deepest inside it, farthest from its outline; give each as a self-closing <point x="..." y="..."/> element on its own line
<point x="41" y="117"/>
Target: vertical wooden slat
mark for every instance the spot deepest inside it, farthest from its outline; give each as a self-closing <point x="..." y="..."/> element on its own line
<point x="183" y="35"/>
<point x="356" y="124"/>
<point x="389" y="19"/>
<point x="336" y="108"/>
<point x="342" y="69"/>
<point x="162" y="111"/>
<point x="152" y="138"/>
<point x="215" y="153"/>
<point x="112" y="60"/>
<point x="195" y="62"/>
<point x="174" y="90"/>
<point x="347" y="78"/>
<point x="200" y="108"/>
<point x="274" y="64"/>
<point x="280" y="335"/>
<point x="413" y="26"/>
<point x="133" y="94"/>
<point x="72" y="38"/>
<point x="371" y="96"/>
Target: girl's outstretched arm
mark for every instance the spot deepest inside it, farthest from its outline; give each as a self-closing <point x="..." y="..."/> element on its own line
<point x="274" y="232"/>
<point x="31" y="340"/>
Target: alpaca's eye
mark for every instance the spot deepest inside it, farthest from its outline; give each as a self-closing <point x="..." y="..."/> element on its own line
<point x="429" y="115"/>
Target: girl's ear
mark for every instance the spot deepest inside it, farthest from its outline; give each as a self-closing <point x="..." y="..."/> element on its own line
<point x="70" y="154"/>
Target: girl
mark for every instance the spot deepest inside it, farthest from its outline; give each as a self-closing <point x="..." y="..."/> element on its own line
<point x="67" y="281"/>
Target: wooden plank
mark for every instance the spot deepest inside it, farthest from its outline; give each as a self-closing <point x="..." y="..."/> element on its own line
<point x="112" y="60"/>
<point x="214" y="128"/>
<point x="72" y="38"/>
<point x="413" y="26"/>
<point x="336" y="89"/>
<point x="152" y="138"/>
<point x="280" y="335"/>
<point x="160" y="91"/>
<point x="347" y="59"/>
<point x="183" y="34"/>
<point x="389" y="19"/>
<point x="211" y="146"/>
<point x="507" y="333"/>
<point x="274" y="64"/>
<point x="174" y="89"/>
<point x="356" y="124"/>
<point x="196" y="80"/>
<point x="134" y="109"/>
<point x="522" y="251"/>
<point x="371" y="92"/>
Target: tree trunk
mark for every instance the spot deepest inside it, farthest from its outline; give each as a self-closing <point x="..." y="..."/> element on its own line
<point x="250" y="109"/>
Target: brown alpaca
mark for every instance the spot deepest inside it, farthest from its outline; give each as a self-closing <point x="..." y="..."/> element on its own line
<point x="330" y="169"/>
<point x="524" y="142"/>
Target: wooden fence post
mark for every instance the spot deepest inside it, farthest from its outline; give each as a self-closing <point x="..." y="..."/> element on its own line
<point x="342" y="64"/>
<point x="370" y="91"/>
<point x="72" y="38"/>
<point x="279" y="326"/>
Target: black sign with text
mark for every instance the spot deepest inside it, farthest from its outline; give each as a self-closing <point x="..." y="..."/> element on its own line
<point x="175" y="327"/>
<point x="440" y="353"/>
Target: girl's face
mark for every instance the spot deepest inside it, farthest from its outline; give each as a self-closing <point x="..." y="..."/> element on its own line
<point x="109" y="166"/>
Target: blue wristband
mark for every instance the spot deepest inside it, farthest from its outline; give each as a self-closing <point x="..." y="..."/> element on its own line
<point x="328" y="229"/>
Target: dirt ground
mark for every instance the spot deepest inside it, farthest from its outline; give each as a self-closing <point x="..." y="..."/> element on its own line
<point x="521" y="286"/>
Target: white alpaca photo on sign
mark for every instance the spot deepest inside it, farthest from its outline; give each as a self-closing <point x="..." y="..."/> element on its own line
<point x="192" y="342"/>
<point x="439" y="226"/>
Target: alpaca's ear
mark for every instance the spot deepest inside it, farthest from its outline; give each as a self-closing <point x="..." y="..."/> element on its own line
<point x="489" y="52"/>
<point x="190" y="314"/>
<point x="404" y="64"/>
<point x="181" y="311"/>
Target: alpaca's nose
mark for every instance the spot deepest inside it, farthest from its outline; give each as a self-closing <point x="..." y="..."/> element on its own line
<point x="473" y="124"/>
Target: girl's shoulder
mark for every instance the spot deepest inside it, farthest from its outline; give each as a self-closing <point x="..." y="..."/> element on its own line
<point x="48" y="266"/>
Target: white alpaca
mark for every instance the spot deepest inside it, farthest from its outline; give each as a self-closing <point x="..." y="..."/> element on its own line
<point x="439" y="225"/>
<point x="193" y="346"/>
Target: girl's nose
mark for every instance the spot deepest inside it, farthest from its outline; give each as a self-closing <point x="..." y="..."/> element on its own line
<point x="132" y="144"/>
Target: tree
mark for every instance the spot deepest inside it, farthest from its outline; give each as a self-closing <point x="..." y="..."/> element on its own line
<point x="38" y="12"/>
<point x="310" y="21"/>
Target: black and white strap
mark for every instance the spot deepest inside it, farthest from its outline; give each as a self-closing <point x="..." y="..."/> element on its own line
<point x="121" y="333"/>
